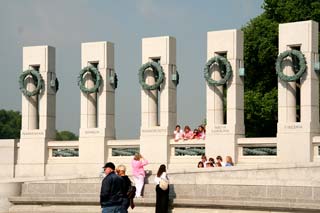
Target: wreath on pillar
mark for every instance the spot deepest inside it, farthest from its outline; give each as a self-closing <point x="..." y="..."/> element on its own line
<point x="224" y="68"/>
<point x="38" y="81"/>
<point x="299" y="65"/>
<point x="158" y="74"/>
<point x="95" y="76"/>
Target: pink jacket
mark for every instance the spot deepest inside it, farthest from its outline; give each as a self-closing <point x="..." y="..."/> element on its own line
<point x="137" y="167"/>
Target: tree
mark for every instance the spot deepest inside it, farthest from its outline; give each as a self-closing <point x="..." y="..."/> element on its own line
<point x="66" y="136"/>
<point x="260" y="54"/>
<point x="10" y="124"/>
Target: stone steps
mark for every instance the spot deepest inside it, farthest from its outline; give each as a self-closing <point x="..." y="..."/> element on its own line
<point x="41" y="196"/>
<point x="279" y="189"/>
<point x="89" y="204"/>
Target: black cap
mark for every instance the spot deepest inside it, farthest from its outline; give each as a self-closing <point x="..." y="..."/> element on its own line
<point x="110" y="165"/>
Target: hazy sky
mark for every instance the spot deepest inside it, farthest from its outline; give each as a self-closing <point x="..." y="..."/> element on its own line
<point x="65" y="24"/>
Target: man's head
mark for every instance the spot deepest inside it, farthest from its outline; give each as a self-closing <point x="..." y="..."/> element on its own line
<point x="108" y="168"/>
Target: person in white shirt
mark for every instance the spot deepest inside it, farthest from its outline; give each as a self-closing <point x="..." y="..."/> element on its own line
<point x="178" y="133"/>
<point x="162" y="198"/>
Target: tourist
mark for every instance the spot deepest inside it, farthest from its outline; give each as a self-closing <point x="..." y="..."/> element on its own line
<point x="200" y="164"/>
<point x="188" y="134"/>
<point x="162" y="196"/>
<point x="121" y="171"/>
<point x="220" y="162"/>
<point x="229" y="161"/>
<point x="196" y="134"/>
<point x="112" y="190"/>
<point x="178" y="133"/>
<point x="202" y="132"/>
<point x="209" y="164"/>
<point x="211" y="160"/>
<point x="204" y="160"/>
<point x="138" y="172"/>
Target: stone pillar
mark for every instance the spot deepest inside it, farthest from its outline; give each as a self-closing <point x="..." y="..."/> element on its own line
<point x="154" y="139"/>
<point x="152" y="110"/>
<point x="216" y="110"/>
<point x="222" y="138"/>
<point x="91" y="104"/>
<point x="38" y="113"/>
<point x="33" y="113"/>
<point x="295" y="138"/>
<point x="93" y="135"/>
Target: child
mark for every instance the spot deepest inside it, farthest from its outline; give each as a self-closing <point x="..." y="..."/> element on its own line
<point x="178" y="133"/>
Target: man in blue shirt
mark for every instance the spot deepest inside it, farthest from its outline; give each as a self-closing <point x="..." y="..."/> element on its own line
<point x="112" y="191"/>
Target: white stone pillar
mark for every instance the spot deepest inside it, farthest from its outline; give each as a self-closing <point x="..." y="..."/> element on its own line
<point x="164" y="50"/>
<point x="35" y="133"/>
<point x="222" y="138"/>
<point x="91" y="104"/>
<point x="33" y="113"/>
<point x="152" y="111"/>
<point x="216" y="109"/>
<point x="94" y="134"/>
<point x="295" y="138"/>
<point x="291" y="90"/>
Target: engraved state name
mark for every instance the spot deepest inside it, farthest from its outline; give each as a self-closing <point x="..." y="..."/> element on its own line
<point x="220" y="129"/>
<point x="293" y="126"/>
<point x="153" y="130"/>
<point x="32" y="133"/>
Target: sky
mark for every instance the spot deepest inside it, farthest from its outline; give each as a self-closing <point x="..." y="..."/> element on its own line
<point x="65" y="24"/>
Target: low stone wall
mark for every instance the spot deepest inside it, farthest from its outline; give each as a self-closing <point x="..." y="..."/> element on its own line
<point x="290" y="188"/>
<point x="8" y="190"/>
<point x="8" y="158"/>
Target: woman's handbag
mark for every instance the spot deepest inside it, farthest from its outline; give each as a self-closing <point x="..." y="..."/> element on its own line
<point x="131" y="192"/>
<point x="164" y="184"/>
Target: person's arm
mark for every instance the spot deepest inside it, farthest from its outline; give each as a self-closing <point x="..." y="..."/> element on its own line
<point x="144" y="162"/>
<point x="105" y="190"/>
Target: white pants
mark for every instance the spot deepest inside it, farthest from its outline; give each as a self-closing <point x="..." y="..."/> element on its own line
<point x="139" y="181"/>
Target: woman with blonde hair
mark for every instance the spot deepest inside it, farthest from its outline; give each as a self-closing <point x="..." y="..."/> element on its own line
<point x="229" y="161"/>
<point x="121" y="171"/>
<point x="138" y="173"/>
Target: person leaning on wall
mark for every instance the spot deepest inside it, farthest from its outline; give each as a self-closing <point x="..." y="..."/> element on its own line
<point x="138" y="172"/>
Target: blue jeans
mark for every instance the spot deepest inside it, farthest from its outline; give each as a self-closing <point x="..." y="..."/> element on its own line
<point x="113" y="209"/>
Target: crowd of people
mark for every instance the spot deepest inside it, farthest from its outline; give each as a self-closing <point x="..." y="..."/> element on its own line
<point x="117" y="191"/>
<point x="205" y="163"/>
<point x="188" y="134"/>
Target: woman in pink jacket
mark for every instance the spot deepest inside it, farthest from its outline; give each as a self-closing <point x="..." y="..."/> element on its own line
<point x="138" y="172"/>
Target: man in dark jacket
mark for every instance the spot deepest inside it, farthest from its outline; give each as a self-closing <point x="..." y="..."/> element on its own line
<point x="112" y="191"/>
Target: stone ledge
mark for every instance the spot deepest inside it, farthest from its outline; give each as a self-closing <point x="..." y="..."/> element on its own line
<point x="230" y="203"/>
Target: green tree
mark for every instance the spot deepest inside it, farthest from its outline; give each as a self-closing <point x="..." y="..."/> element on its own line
<point x="66" y="136"/>
<point x="260" y="54"/>
<point x="10" y="124"/>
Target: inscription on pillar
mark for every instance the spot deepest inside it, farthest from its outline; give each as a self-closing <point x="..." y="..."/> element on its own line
<point x="220" y="129"/>
<point x="153" y="130"/>
<point x="32" y="133"/>
<point x="293" y="126"/>
<point x="93" y="132"/>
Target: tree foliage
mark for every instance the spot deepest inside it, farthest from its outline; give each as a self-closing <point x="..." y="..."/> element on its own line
<point x="10" y="124"/>
<point x="66" y="136"/>
<point x="260" y="54"/>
